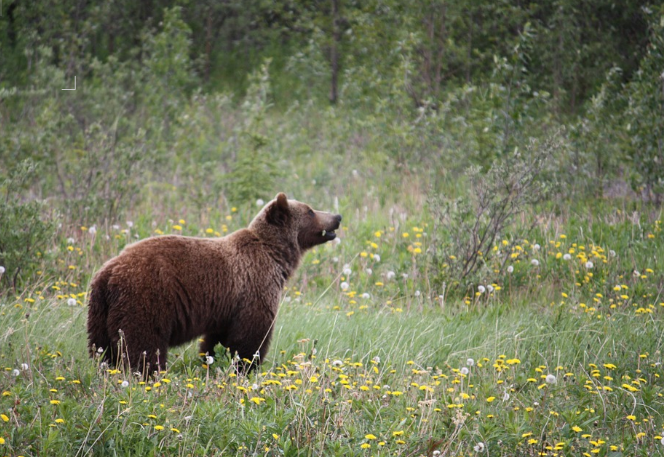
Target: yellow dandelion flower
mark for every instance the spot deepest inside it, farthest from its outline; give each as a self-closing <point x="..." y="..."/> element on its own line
<point x="158" y="427"/>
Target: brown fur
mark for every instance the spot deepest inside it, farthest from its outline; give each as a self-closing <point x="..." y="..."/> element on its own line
<point x="165" y="291"/>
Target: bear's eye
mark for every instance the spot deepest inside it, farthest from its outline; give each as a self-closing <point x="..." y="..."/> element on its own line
<point x="311" y="212"/>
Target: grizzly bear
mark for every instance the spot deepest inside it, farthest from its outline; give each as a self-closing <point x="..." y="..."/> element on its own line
<point x="165" y="291"/>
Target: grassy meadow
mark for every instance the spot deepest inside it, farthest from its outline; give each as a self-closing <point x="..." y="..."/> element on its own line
<point x="558" y="353"/>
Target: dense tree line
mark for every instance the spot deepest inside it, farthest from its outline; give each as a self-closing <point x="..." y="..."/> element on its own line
<point x="570" y="46"/>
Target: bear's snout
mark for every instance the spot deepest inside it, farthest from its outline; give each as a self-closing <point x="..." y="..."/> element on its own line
<point x="330" y="226"/>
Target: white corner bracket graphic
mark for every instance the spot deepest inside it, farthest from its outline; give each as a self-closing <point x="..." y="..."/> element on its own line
<point x="74" y="85"/>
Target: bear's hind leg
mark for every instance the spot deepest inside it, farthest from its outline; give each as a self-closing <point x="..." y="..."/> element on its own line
<point x="250" y="345"/>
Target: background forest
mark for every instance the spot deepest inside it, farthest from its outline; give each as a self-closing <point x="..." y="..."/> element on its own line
<point x="500" y="169"/>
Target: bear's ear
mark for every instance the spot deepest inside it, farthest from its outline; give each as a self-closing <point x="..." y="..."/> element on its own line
<point x="278" y="212"/>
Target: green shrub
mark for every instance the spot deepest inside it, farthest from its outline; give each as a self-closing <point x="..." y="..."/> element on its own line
<point x="466" y="228"/>
<point x="26" y="226"/>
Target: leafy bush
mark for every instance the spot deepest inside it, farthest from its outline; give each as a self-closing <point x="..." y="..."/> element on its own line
<point x="255" y="170"/>
<point x="26" y="228"/>
<point x="466" y="228"/>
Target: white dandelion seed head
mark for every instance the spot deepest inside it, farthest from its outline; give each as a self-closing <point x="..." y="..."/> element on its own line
<point x="2" y="269"/>
<point x="260" y="202"/>
<point x="404" y="275"/>
<point x="365" y="295"/>
<point x="125" y="383"/>
<point x="254" y="386"/>
<point x="15" y="372"/>
<point x="100" y="350"/>
<point x="589" y="265"/>
<point x="92" y="230"/>
<point x="436" y="453"/>
<point x="510" y="269"/>
<point x="418" y="293"/>
<point x="72" y="302"/>
<point x="479" y="447"/>
<point x="337" y="363"/>
<point x="536" y="403"/>
<point x="551" y="379"/>
<point x="534" y="262"/>
<point x="489" y="287"/>
<point x="347" y="271"/>
<point x="386" y="387"/>
<point x="376" y="258"/>
<point x="390" y="274"/>
<point x="209" y="360"/>
<point x="335" y="259"/>
<point x="376" y="359"/>
<point x="612" y="253"/>
<point x="470" y="362"/>
<point x="536" y="247"/>
<point x="115" y="227"/>
<point x="337" y="240"/>
<point x="369" y="271"/>
<point x="636" y="273"/>
<point x="464" y="371"/>
<point x="481" y="289"/>
<point x="344" y="286"/>
<point x="287" y="299"/>
<point x="506" y="396"/>
<point x="567" y="257"/>
<point x="130" y="224"/>
<point x="24" y="366"/>
<point x="355" y="173"/>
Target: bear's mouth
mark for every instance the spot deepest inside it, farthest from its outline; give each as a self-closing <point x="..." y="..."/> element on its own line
<point x="328" y="234"/>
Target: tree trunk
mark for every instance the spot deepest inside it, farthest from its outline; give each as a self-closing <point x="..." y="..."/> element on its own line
<point x="334" y="51"/>
<point x="208" y="45"/>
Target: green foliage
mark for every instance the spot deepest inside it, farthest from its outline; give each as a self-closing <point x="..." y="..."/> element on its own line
<point x="620" y="137"/>
<point x="645" y="123"/>
<point x="27" y="226"/>
<point x="168" y="68"/>
<point x="255" y="170"/>
<point x="467" y="228"/>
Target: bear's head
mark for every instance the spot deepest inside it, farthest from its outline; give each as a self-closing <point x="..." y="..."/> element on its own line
<point x="295" y="222"/>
